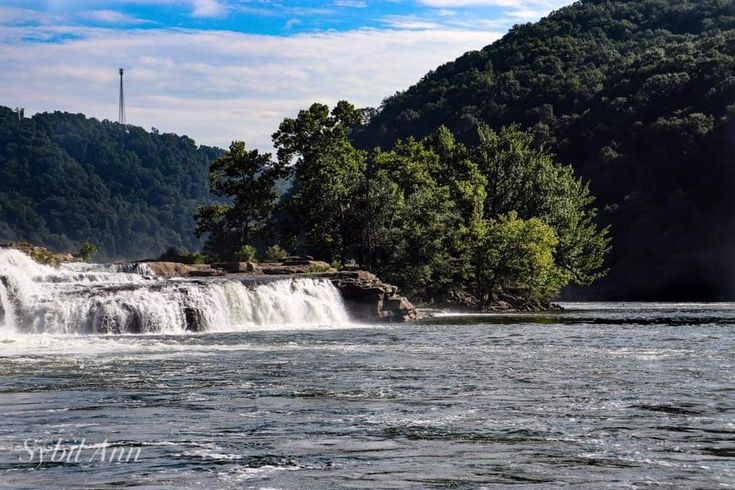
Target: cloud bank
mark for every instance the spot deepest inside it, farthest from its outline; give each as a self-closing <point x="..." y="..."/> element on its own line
<point x="219" y="70"/>
<point x="217" y="86"/>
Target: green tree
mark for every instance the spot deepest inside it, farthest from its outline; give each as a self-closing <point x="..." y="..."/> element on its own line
<point x="327" y="172"/>
<point x="516" y="256"/>
<point x="525" y="178"/>
<point x="638" y="96"/>
<point x="247" y="179"/>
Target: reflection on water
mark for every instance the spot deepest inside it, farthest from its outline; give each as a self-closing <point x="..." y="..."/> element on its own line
<point x="599" y="395"/>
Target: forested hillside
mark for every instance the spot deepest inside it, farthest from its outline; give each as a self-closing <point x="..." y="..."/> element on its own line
<point x="638" y="96"/>
<point x="66" y="179"/>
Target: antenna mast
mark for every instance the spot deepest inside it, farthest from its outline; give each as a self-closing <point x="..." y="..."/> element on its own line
<point x="121" y="117"/>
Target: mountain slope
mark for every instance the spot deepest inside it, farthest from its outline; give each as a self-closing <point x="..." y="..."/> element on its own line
<point x="639" y="97"/>
<point x="65" y="179"/>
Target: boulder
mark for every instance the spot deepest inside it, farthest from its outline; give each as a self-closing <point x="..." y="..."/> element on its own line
<point x="369" y="299"/>
<point x="195" y="321"/>
<point x="294" y="267"/>
<point x="280" y="269"/>
<point x="400" y="309"/>
<point x="298" y="260"/>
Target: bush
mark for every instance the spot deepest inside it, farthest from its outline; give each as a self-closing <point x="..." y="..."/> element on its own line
<point x="198" y="258"/>
<point x="275" y="253"/>
<point x="88" y="251"/>
<point x="247" y="254"/>
<point x="318" y="267"/>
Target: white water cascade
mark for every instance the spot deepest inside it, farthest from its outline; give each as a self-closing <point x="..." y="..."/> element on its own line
<point x="97" y="298"/>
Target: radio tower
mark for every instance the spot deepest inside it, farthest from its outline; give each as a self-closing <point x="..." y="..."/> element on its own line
<point x="121" y="118"/>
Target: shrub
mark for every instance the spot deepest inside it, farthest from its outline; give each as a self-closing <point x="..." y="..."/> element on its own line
<point x="173" y="254"/>
<point x="317" y="267"/>
<point x="275" y="253"/>
<point x="88" y="251"/>
<point x="247" y="254"/>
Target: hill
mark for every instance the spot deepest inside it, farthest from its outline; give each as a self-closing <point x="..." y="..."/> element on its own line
<point x="638" y="96"/>
<point x="66" y="179"/>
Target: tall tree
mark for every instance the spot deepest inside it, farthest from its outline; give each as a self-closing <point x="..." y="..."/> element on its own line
<point x="246" y="178"/>
<point x="526" y="179"/>
<point x="327" y="171"/>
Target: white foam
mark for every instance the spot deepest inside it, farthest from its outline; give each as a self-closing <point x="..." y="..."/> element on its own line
<point x="109" y="298"/>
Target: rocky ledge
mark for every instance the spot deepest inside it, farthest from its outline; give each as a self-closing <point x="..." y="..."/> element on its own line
<point x="42" y="255"/>
<point x="366" y="297"/>
<point x="369" y="299"/>
<point x="176" y="269"/>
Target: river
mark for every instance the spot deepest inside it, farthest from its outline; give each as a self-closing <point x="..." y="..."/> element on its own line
<point x="601" y="395"/>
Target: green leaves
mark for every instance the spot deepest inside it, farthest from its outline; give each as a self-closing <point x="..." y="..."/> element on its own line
<point x="517" y="256"/>
<point x="327" y="172"/>
<point x="87" y="251"/>
<point x="247" y="179"/>
<point x="431" y="216"/>
<point x="639" y="97"/>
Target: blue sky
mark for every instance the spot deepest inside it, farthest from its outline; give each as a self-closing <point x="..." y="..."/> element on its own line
<point x="220" y="70"/>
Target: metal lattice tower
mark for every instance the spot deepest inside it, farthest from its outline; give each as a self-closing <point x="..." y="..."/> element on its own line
<point x="121" y="117"/>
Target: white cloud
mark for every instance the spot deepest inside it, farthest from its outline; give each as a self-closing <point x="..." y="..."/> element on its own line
<point x="207" y="8"/>
<point x="476" y="3"/>
<point x="509" y="11"/>
<point x="409" y="22"/>
<point x="111" y="17"/>
<point x="216" y="86"/>
<point x="291" y="22"/>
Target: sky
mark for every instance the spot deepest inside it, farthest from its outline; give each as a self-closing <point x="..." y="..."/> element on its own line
<point x="224" y="70"/>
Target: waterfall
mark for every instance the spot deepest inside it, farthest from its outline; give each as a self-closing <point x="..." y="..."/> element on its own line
<point x="111" y="298"/>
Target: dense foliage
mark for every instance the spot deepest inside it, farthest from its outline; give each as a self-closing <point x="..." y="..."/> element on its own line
<point x="66" y="179"/>
<point x="247" y="181"/>
<point x="438" y="218"/>
<point x="638" y="96"/>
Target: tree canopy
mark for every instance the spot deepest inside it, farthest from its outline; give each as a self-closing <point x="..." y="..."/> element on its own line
<point x="66" y="179"/>
<point x="246" y="180"/>
<point x="638" y="97"/>
<point x="435" y="216"/>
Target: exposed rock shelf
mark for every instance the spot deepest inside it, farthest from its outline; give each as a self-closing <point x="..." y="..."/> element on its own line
<point x="369" y="299"/>
<point x="366" y="297"/>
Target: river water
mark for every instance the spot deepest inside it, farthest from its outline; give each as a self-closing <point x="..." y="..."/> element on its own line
<point x="601" y="395"/>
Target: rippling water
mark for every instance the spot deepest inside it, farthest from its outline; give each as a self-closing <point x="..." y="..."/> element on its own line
<point x="602" y="395"/>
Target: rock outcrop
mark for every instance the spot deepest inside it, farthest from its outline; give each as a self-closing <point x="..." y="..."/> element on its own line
<point x="175" y="269"/>
<point x="366" y="297"/>
<point x="42" y="255"/>
<point x="369" y="299"/>
<point x="295" y="267"/>
<point x="238" y="267"/>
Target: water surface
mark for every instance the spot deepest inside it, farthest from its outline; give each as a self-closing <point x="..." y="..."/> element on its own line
<point x="604" y="395"/>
